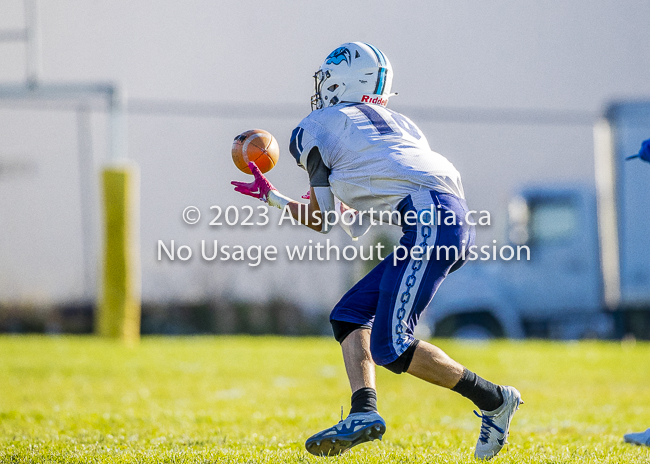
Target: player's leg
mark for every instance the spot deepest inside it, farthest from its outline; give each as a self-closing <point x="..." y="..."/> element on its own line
<point x="351" y="321"/>
<point x="405" y="291"/>
<point x="433" y="365"/>
<point x="358" y="362"/>
<point x="408" y="285"/>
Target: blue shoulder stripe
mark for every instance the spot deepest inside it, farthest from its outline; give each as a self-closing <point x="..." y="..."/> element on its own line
<point x="300" y="147"/>
<point x="295" y="145"/>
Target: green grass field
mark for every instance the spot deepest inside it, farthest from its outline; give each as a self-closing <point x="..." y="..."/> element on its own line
<point x="256" y="399"/>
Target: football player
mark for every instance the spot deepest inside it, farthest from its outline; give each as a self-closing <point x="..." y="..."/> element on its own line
<point x="640" y="438"/>
<point x="644" y="152"/>
<point x="371" y="158"/>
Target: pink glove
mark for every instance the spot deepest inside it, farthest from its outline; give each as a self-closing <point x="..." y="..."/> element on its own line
<point x="259" y="188"/>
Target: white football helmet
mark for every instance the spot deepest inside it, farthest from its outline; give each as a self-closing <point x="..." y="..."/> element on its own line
<point x="355" y="72"/>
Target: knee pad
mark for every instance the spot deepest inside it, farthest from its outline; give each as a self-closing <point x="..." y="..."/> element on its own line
<point x="342" y="329"/>
<point x="401" y="364"/>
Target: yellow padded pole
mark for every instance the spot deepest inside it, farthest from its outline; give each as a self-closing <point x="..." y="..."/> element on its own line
<point x="119" y="305"/>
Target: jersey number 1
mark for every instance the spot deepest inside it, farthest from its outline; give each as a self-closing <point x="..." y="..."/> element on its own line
<point x="380" y="122"/>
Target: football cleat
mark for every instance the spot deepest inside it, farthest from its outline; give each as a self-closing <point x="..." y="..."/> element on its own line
<point x="495" y="424"/>
<point x="357" y="428"/>
<point x="641" y="438"/>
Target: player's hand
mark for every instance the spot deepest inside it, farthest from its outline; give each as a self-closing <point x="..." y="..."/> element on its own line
<point x="259" y="188"/>
<point x="644" y="152"/>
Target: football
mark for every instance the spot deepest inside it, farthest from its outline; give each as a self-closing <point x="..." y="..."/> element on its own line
<point x="258" y="146"/>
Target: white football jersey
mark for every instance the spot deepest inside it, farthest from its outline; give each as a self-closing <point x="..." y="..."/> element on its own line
<point x="369" y="157"/>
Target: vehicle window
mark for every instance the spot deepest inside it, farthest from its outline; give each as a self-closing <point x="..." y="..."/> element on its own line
<point x="556" y="220"/>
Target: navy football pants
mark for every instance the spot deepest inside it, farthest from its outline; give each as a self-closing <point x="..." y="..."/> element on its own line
<point x="391" y="297"/>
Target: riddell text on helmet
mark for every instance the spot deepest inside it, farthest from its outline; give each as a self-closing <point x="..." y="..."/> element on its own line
<point x="376" y="100"/>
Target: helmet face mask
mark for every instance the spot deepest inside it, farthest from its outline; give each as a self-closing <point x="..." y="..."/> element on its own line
<point x="316" y="100"/>
<point x="328" y="90"/>
<point x="356" y="73"/>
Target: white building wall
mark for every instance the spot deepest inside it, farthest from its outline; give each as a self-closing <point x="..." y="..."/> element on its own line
<point x="496" y="64"/>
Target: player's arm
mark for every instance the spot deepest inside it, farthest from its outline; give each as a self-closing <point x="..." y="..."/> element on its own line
<point x="308" y="155"/>
<point x="321" y="200"/>
<point x="305" y="150"/>
<point x="354" y="223"/>
<point x="307" y="213"/>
